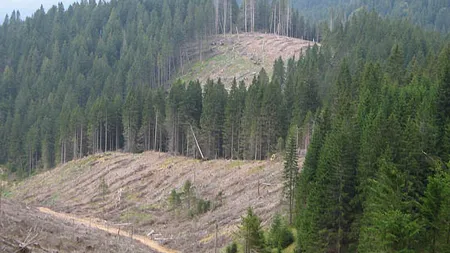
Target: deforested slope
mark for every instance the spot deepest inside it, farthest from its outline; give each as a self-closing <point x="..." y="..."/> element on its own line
<point x="26" y="229"/>
<point x="135" y="190"/>
<point x="242" y="56"/>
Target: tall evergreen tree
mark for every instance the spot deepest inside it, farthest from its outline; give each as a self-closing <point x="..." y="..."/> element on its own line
<point x="290" y="172"/>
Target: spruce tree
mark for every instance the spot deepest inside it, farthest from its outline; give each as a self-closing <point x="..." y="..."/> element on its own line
<point x="251" y="232"/>
<point x="290" y="172"/>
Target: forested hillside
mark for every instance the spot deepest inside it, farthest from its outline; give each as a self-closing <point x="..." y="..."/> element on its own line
<point x="78" y="81"/>
<point x="430" y="14"/>
<point x="375" y="178"/>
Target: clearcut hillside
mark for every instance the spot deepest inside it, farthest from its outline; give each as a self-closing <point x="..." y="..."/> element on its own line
<point x="134" y="189"/>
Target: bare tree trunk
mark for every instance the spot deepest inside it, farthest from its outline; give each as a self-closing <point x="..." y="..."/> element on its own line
<point x="81" y="142"/>
<point x="30" y="161"/>
<point x="106" y="132"/>
<point x="117" y="135"/>
<point x="217" y="16"/>
<point x="149" y="142"/>
<point x="101" y="137"/>
<point x="156" y="130"/>
<point x="287" y="19"/>
<point x="75" y="144"/>
<point x="232" y="141"/>
<point x="225" y="8"/>
<point x="245" y="15"/>
<point x="274" y="21"/>
<point x="160" y="139"/>
<point x="279" y="17"/>
<point x="231" y="17"/>
<point x="253" y="15"/>
<point x="64" y="148"/>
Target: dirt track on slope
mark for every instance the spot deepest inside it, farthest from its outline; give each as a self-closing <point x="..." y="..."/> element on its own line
<point x="112" y="230"/>
<point x="25" y="229"/>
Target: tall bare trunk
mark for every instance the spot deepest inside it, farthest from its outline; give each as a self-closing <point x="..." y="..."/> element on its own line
<point x="64" y="148"/>
<point x="81" y="142"/>
<point x="232" y="141"/>
<point x="279" y="17"/>
<point x="117" y="135"/>
<point x="245" y="15"/>
<point x="231" y="17"/>
<point x="287" y="18"/>
<point x="253" y="15"/>
<point x="217" y="16"/>
<point x="106" y="132"/>
<point x="156" y="130"/>
<point x="101" y="137"/>
<point x="75" y="144"/>
<point x="225" y="8"/>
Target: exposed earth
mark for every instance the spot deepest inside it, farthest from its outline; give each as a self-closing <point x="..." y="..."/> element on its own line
<point x="26" y="229"/>
<point x="131" y="192"/>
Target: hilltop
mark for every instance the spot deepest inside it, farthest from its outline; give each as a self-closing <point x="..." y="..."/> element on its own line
<point x="242" y="56"/>
<point x="134" y="189"/>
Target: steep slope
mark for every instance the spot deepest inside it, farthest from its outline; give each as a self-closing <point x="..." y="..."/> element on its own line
<point x="134" y="189"/>
<point x="242" y="56"/>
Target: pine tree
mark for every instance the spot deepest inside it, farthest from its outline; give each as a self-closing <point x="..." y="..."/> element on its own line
<point x="130" y="120"/>
<point x="272" y="117"/>
<point x="435" y="210"/>
<point x="251" y="232"/>
<point x="212" y="118"/>
<point x="388" y="225"/>
<point x="290" y="172"/>
<point x="233" y="118"/>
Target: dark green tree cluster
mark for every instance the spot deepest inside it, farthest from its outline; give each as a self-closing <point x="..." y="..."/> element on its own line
<point x="252" y="238"/>
<point x="87" y="79"/>
<point x="431" y="14"/>
<point x="374" y="175"/>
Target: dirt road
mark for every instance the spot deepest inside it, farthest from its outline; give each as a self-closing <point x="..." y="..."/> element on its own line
<point x="112" y="230"/>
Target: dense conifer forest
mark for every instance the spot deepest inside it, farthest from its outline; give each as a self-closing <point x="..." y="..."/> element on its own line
<point x="431" y="14"/>
<point x="80" y="80"/>
<point x="370" y="104"/>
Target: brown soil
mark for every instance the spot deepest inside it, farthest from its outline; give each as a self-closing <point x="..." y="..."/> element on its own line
<point x="110" y="229"/>
<point x="26" y="229"/>
<point x="137" y="190"/>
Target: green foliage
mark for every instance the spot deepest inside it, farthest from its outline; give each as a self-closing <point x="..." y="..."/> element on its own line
<point x="174" y="200"/>
<point x="368" y="183"/>
<point x="91" y="78"/>
<point x="187" y="198"/>
<point x="388" y="224"/>
<point x="231" y="248"/>
<point x="435" y="210"/>
<point x="203" y="206"/>
<point x="279" y="236"/>
<point x="251" y="233"/>
<point x="290" y="172"/>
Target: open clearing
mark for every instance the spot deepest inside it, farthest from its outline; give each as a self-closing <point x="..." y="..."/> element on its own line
<point x="242" y="56"/>
<point x="133" y="190"/>
<point x="110" y="229"/>
<point x="26" y="229"/>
